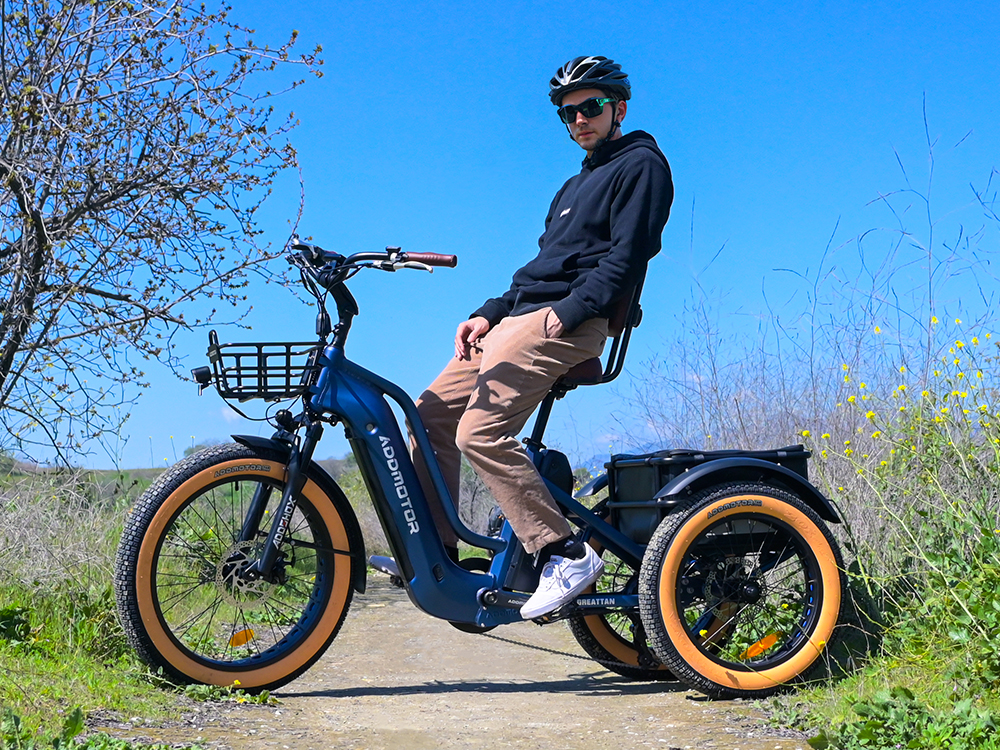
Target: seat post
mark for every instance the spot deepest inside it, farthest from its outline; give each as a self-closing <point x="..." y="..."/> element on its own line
<point x="542" y="420"/>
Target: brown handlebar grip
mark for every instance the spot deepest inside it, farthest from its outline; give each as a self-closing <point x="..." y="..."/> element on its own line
<point x="434" y="259"/>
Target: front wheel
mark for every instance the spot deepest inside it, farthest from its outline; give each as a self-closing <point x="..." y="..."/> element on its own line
<point x="741" y="591"/>
<point x="183" y="602"/>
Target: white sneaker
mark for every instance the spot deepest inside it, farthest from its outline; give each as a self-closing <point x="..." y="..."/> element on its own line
<point x="562" y="579"/>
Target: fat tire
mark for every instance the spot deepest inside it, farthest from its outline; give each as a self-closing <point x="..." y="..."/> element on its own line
<point x="695" y="659"/>
<point x="606" y="644"/>
<point x="325" y="512"/>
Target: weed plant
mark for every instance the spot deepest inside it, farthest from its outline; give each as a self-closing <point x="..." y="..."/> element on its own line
<point x="900" y="405"/>
<point x="61" y="645"/>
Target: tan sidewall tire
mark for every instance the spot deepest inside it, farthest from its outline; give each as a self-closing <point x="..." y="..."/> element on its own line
<point x="606" y="636"/>
<point x="293" y="661"/>
<point x="673" y="621"/>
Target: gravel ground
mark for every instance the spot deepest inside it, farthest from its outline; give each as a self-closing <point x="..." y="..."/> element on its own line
<point x="397" y="678"/>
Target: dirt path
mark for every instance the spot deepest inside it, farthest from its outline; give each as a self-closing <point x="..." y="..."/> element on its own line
<point x="396" y="678"/>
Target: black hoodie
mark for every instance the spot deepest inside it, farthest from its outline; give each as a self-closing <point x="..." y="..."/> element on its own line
<point x="603" y="227"/>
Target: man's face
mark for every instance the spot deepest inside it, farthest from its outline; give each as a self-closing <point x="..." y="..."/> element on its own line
<point x="587" y="132"/>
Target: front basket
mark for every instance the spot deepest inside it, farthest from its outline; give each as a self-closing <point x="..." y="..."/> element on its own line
<point x="267" y="370"/>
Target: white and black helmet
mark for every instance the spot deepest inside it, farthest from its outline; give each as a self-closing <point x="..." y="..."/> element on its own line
<point x="593" y="72"/>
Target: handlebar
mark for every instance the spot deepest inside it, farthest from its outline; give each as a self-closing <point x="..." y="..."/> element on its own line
<point x="388" y="260"/>
<point x="329" y="270"/>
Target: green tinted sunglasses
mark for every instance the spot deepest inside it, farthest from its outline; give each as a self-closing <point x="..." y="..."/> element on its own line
<point x="588" y="108"/>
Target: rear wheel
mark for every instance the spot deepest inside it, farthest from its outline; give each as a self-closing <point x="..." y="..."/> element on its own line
<point x="741" y="592"/>
<point x="182" y="598"/>
<point x="611" y="638"/>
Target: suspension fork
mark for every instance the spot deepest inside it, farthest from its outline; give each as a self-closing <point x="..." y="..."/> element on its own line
<point x="298" y="460"/>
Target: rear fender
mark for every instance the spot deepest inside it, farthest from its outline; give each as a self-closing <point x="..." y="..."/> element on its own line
<point x="329" y="485"/>
<point x="738" y="469"/>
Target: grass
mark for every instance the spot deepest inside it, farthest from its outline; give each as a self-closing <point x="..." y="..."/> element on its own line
<point x="62" y="649"/>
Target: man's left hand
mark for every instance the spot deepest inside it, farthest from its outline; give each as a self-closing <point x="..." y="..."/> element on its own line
<point x="553" y="326"/>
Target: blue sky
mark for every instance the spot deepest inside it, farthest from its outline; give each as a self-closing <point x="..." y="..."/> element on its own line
<point x="431" y="129"/>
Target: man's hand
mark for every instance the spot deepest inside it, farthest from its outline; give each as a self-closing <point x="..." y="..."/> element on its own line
<point x="554" y="327"/>
<point x="469" y="331"/>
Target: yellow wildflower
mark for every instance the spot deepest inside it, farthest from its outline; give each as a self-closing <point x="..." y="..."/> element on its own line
<point x="826" y="435"/>
<point x="804" y="433"/>
<point x="878" y="330"/>
<point x="850" y="399"/>
<point x="934" y="320"/>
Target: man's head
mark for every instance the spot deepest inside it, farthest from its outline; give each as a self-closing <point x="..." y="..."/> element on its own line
<point x="591" y="93"/>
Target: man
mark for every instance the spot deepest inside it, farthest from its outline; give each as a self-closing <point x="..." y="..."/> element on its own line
<point x="602" y="228"/>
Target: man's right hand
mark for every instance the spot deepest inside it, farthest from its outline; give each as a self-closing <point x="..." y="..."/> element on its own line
<point x="469" y="331"/>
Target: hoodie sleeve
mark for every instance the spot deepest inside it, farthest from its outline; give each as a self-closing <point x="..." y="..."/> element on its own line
<point x="498" y="308"/>
<point x="639" y="211"/>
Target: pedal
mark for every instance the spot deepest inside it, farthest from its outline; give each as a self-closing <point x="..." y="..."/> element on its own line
<point x="388" y="566"/>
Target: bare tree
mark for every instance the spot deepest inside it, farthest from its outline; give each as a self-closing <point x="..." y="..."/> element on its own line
<point x="136" y="144"/>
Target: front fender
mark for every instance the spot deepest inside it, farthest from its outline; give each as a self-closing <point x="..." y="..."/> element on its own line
<point x="329" y="485"/>
<point x="737" y="469"/>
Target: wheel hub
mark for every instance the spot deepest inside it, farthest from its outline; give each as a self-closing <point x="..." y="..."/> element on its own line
<point x="235" y="587"/>
<point x="749" y="593"/>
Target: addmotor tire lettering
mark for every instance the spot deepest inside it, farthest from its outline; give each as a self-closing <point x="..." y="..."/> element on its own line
<point x="242" y="467"/>
<point x="744" y="503"/>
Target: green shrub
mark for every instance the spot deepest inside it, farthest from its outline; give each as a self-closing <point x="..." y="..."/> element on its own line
<point x="898" y="720"/>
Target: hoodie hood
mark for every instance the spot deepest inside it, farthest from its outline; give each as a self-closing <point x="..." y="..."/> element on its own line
<point x="628" y="142"/>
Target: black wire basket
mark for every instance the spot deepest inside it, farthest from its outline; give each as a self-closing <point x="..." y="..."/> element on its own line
<point x="269" y="370"/>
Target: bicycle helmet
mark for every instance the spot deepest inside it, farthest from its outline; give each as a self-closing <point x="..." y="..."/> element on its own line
<point x="593" y="72"/>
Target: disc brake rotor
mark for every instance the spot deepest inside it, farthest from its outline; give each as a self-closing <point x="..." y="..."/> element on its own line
<point x="233" y="587"/>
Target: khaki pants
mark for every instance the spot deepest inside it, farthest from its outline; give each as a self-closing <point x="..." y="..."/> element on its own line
<point x="479" y="406"/>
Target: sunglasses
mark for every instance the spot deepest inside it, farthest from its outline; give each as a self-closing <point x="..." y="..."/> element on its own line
<point x="588" y="108"/>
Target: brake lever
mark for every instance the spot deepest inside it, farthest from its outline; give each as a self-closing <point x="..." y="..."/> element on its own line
<point x="415" y="264"/>
<point x="395" y="265"/>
